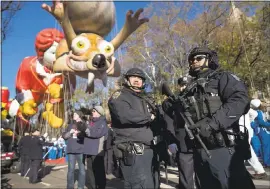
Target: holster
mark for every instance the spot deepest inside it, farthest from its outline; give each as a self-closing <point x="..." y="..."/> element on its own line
<point x="118" y="153"/>
<point x="128" y="152"/>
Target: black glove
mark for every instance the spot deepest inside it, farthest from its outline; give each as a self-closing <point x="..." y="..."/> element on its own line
<point x="81" y="126"/>
<point x="203" y="126"/>
<point x="168" y="106"/>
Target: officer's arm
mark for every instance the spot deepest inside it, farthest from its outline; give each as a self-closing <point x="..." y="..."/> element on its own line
<point x="235" y="101"/>
<point x="47" y="144"/>
<point x="43" y="143"/>
<point x="123" y="111"/>
<point x="169" y="123"/>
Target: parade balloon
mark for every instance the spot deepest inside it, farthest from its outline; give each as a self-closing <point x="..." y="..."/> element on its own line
<point x="4" y="102"/>
<point x="36" y="82"/>
<point x="91" y="17"/>
<point x="84" y="51"/>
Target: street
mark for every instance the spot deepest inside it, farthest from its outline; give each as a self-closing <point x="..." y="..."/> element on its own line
<point x="55" y="177"/>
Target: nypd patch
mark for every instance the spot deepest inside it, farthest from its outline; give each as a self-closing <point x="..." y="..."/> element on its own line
<point x="116" y="94"/>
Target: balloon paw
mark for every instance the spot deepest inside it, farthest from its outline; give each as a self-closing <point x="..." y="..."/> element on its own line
<point x="53" y="120"/>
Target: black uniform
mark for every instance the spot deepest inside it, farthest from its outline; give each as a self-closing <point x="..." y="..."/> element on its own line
<point x="131" y="123"/>
<point x="185" y="154"/>
<point x="36" y="156"/>
<point x="219" y="101"/>
<point x="24" y="149"/>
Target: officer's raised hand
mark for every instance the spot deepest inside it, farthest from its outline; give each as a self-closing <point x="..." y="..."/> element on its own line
<point x="203" y="126"/>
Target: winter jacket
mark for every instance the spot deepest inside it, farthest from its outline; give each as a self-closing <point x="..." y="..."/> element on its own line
<point x="95" y="136"/>
<point x="75" y="143"/>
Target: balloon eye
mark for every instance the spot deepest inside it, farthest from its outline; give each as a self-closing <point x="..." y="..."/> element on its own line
<point x="80" y="44"/>
<point x="108" y="49"/>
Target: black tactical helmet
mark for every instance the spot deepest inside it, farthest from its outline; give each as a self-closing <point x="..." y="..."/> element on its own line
<point x="211" y="55"/>
<point x="135" y="72"/>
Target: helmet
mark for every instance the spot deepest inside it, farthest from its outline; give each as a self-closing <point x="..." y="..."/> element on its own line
<point x="211" y="55"/>
<point x="135" y="72"/>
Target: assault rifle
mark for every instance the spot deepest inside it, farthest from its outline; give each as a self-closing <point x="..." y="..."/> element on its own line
<point x="165" y="90"/>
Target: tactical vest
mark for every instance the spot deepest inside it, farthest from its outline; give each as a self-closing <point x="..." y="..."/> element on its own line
<point x="202" y="100"/>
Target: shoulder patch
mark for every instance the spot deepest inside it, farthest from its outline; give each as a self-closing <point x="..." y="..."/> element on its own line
<point x="235" y="77"/>
<point x="116" y="94"/>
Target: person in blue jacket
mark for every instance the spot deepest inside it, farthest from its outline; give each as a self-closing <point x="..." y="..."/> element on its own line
<point x="96" y="133"/>
<point x="74" y="150"/>
<point x="264" y="132"/>
<point x="255" y="140"/>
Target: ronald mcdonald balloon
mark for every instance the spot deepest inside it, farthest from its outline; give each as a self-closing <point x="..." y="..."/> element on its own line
<point x="4" y="103"/>
<point x="36" y="83"/>
<point x="84" y="50"/>
<point x="5" y="117"/>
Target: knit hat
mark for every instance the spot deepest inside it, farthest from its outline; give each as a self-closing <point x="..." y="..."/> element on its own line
<point x="100" y="110"/>
<point x="255" y="103"/>
<point x="79" y="112"/>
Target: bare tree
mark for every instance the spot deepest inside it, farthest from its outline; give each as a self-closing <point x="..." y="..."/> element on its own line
<point x="8" y="11"/>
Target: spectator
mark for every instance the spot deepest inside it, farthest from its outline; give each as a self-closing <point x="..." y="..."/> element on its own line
<point x="74" y="150"/>
<point x="253" y="161"/>
<point x="264" y="133"/>
<point x="24" y="149"/>
<point x="36" y="155"/>
<point x="95" y="133"/>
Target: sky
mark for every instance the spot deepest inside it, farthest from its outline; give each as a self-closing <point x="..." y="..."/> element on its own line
<point x="24" y="28"/>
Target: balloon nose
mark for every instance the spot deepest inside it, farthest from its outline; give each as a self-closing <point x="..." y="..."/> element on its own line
<point x="99" y="61"/>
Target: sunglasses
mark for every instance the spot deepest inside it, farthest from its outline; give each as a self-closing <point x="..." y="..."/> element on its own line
<point x="197" y="58"/>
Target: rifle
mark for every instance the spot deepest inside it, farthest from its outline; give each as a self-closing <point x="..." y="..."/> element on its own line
<point x="165" y="90"/>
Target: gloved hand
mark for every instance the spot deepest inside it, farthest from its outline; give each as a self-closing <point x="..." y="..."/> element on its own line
<point x="29" y="108"/>
<point x="203" y="126"/>
<point x="167" y="105"/>
<point x="72" y="131"/>
<point x="173" y="148"/>
<point x="51" y="118"/>
<point x="54" y="90"/>
<point x="81" y="126"/>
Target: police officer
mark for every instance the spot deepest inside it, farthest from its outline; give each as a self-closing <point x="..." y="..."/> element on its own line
<point x="24" y="149"/>
<point x="35" y="156"/>
<point x="217" y="99"/>
<point x="220" y="100"/>
<point x="184" y="149"/>
<point x="131" y="119"/>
